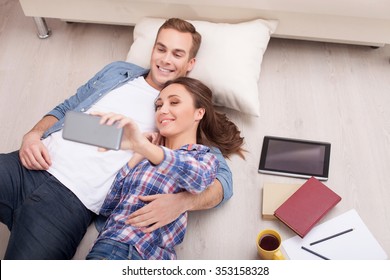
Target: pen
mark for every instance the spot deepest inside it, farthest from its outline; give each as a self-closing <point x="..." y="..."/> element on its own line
<point x="332" y="236"/>
<point x="314" y="253"/>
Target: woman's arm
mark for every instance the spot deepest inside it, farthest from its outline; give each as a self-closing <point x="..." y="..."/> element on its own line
<point x="165" y="208"/>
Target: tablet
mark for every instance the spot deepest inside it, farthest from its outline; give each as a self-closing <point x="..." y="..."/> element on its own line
<point x="86" y="129"/>
<point x="295" y="158"/>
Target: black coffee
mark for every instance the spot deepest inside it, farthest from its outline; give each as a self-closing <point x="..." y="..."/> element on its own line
<point x="269" y="242"/>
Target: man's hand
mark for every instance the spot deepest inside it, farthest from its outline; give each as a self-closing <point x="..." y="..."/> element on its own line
<point x="165" y="208"/>
<point x="161" y="210"/>
<point x="33" y="154"/>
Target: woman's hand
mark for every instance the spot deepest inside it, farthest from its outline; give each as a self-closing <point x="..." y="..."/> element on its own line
<point x="132" y="137"/>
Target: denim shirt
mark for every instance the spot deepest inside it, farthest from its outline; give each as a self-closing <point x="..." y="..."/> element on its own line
<point x="110" y="77"/>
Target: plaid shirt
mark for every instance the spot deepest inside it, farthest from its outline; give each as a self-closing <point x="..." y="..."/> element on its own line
<point x="192" y="168"/>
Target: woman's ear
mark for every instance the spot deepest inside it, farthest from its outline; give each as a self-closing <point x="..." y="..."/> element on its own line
<point x="199" y="113"/>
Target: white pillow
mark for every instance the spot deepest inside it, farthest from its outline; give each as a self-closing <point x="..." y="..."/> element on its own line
<point x="228" y="61"/>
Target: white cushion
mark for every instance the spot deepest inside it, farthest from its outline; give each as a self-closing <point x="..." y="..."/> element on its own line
<point x="228" y="61"/>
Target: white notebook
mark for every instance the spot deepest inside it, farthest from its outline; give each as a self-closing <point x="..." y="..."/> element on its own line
<point x="358" y="244"/>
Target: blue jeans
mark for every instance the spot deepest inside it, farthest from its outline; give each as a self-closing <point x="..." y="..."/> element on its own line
<point x="107" y="249"/>
<point x="46" y="220"/>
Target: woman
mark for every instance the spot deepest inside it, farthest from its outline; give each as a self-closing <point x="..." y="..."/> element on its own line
<point x="188" y="123"/>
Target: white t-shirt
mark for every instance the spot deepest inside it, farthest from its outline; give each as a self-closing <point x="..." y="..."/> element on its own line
<point x="87" y="172"/>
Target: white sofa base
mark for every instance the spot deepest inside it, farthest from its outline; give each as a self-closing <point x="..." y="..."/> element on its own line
<point x="345" y="21"/>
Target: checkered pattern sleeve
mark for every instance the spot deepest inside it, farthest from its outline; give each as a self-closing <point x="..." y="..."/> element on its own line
<point x="194" y="168"/>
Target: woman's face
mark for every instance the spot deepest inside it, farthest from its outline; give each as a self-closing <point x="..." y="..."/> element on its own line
<point x="175" y="112"/>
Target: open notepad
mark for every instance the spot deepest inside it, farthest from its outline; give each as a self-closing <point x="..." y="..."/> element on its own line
<point x="358" y="244"/>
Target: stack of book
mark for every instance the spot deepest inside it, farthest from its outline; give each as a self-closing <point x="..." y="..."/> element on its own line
<point x="298" y="207"/>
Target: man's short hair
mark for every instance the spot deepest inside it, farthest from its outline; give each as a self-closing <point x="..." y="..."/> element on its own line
<point x="184" y="27"/>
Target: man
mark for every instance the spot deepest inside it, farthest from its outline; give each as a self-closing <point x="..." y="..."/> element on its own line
<point x="51" y="189"/>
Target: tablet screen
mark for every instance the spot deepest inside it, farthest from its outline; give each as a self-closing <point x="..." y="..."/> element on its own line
<point x="294" y="157"/>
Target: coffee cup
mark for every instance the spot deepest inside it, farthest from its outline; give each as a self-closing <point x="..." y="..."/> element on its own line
<point x="268" y="243"/>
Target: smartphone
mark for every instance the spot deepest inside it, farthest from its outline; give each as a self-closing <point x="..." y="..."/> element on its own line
<point x="86" y="129"/>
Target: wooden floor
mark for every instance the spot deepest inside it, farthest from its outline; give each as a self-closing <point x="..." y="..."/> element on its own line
<point x="311" y="90"/>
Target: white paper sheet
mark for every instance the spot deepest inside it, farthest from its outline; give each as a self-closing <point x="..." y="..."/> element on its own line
<point x="358" y="244"/>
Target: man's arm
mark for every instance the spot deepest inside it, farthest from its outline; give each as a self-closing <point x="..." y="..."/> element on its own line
<point x="33" y="154"/>
<point x="165" y="208"/>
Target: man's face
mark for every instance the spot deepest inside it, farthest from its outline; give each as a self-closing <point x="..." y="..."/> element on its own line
<point x="170" y="57"/>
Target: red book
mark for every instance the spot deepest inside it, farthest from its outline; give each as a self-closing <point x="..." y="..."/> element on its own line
<point x="305" y="207"/>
